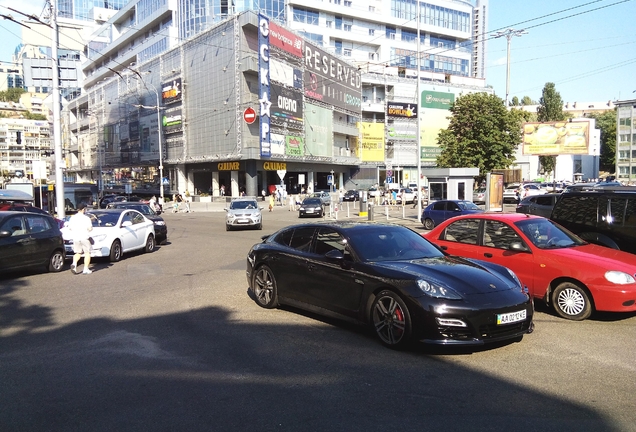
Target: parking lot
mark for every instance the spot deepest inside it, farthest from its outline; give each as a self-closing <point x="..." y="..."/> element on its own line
<point x="172" y="341"/>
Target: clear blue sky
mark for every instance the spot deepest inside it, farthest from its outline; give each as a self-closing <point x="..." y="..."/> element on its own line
<point x="590" y="57"/>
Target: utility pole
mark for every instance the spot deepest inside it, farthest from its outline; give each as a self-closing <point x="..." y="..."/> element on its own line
<point x="57" y="133"/>
<point x="418" y="110"/>
<point x="508" y="34"/>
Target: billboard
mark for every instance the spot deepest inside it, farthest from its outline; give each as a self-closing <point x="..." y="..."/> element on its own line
<point x="318" y="131"/>
<point x="171" y="92"/>
<point x="285" y="74"/>
<point x="287" y="107"/>
<point x="371" y="146"/>
<point x="294" y="146"/>
<point x="400" y="109"/>
<point x="556" y="138"/>
<point x="285" y="40"/>
<point x="434" y="109"/>
<point x="331" y="81"/>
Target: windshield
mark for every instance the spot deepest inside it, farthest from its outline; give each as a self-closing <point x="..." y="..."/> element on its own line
<point x="545" y="234"/>
<point x="243" y="205"/>
<point x="103" y="219"/>
<point x="467" y="205"/>
<point x="312" y="201"/>
<point x="391" y="243"/>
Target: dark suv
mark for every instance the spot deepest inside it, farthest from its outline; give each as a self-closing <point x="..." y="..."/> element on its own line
<point x="604" y="216"/>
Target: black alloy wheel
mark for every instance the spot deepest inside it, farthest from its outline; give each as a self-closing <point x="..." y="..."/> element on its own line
<point x="264" y="286"/>
<point x="391" y="320"/>
<point x="115" y="251"/>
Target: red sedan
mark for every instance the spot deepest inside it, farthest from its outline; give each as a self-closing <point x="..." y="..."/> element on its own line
<point x="575" y="277"/>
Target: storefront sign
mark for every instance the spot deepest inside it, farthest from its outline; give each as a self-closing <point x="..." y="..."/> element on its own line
<point x="274" y="166"/>
<point x="171" y="92"/>
<point x="287" y="107"/>
<point x="399" y="109"/>
<point x="229" y="166"/>
<point x="285" y="40"/>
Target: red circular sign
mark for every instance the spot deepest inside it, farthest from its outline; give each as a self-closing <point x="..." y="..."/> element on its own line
<point x="249" y="115"/>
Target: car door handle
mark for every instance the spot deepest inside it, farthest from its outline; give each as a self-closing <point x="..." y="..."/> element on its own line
<point x="444" y="247"/>
<point x="488" y="255"/>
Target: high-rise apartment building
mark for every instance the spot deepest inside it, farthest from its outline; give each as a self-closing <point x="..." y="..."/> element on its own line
<point x="626" y="141"/>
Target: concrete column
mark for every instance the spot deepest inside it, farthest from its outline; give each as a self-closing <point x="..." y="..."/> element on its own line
<point x="190" y="182"/>
<point x="251" y="179"/>
<point x="215" y="184"/>
<point x="310" y="182"/>
<point x="182" y="181"/>
<point x="234" y="180"/>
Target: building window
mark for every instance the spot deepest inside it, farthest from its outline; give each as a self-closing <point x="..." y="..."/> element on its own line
<point x="347" y="3"/>
<point x="347" y="27"/>
<point x="390" y="32"/>
<point x="338" y="46"/>
<point x="329" y="24"/>
<point x="306" y="16"/>
<point x="347" y="52"/>
<point x="371" y="32"/>
<point x="338" y="22"/>
<point x="372" y="56"/>
<point x="371" y="8"/>
<point x="408" y="35"/>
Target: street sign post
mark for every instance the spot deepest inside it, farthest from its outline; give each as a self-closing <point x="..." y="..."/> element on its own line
<point x="249" y="115"/>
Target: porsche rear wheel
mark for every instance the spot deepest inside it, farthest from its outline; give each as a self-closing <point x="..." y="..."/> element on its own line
<point x="572" y="302"/>
<point x="391" y="320"/>
<point x="264" y="286"/>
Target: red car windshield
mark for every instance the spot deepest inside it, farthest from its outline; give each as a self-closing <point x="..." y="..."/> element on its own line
<point x="545" y="234"/>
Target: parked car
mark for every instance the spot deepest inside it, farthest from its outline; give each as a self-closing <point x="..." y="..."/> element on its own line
<point x="116" y="232"/>
<point x="311" y="206"/>
<point x="107" y="199"/>
<point x="391" y="278"/>
<point x="375" y="192"/>
<point x="243" y="212"/>
<point x="605" y="216"/>
<point x="540" y="205"/>
<point x="28" y="208"/>
<point x="324" y="197"/>
<point x="530" y="189"/>
<point x="30" y="240"/>
<point x="479" y="195"/>
<point x="161" y="229"/>
<point x="439" y="211"/>
<point x="511" y="194"/>
<point x="406" y="194"/>
<point x="573" y="276"/>
<point x="351" y="195"/>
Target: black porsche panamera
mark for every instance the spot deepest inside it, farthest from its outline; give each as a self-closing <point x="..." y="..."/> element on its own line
<point x="391" y="278"/>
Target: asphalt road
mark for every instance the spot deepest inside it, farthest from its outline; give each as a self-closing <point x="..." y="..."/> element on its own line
<point x="171" y="341"/>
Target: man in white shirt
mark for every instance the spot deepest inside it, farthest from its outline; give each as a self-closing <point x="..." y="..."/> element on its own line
<point x="80" y="226"/>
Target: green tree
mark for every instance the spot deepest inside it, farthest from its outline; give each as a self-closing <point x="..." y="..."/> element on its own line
<point x="30" y="116"/>
<point x="515" y="101"/>
<point x="550" y="109"/>
<point x="527" y="100"/>
<point x="11" y="95"/>
<point x="606" y="122"/>
<point x="482" y="133"/>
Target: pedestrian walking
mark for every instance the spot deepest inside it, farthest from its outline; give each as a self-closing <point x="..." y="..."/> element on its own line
<point x="186" y="200"/>
<point x="272" y="202"/>
<point x="80" y="226"/>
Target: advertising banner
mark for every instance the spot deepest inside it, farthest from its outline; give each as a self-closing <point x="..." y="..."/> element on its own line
<point x="171" y="92"/>
<point x="434" y="108"/>
<point x="329" y="80"/>
<point x="402" y="130"/>
<point x="264" y="90"/>
<point x="285" y="40"/>
<point x="294" y="146"/>
<point x="287" y="107"/>
<point x="172" y="121"/>
<point x="277" y="142"/>
<point x="556" y="138"/>
<point x="400" y="109"/>
<point x="494" y="199"/>
<point x="318" y="131"/>
<point x="371" y="146"/>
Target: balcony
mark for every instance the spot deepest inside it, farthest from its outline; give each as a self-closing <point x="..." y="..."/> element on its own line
<point x="345" y="128"/>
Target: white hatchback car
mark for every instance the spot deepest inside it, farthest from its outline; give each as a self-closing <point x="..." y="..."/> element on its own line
<point x="115" y="232"/>
<point x="243" y="212"/>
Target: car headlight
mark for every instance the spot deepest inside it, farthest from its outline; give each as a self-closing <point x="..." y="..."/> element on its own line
<point x="514" y="276"/>
<point x="433" y="290"/>
<point x="160" y="223"/>
<point x="619" y="277"/>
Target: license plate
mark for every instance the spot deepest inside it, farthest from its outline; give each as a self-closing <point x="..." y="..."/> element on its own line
<point x="309" y="211"/>
<point x="242" y="221"/>
<point x="511" y="317"/>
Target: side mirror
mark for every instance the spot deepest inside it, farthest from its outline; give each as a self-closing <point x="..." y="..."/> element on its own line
<point x="334" y="254"/>
<point x="126" y="223"/>
<point x="518" y="247"/>
<point x="4" y="234"/>
<point x="226" y="209"/>
<point x="458" y="210"/>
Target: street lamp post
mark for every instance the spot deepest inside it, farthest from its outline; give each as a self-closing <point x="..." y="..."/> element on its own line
<point x="508" y="34"/>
